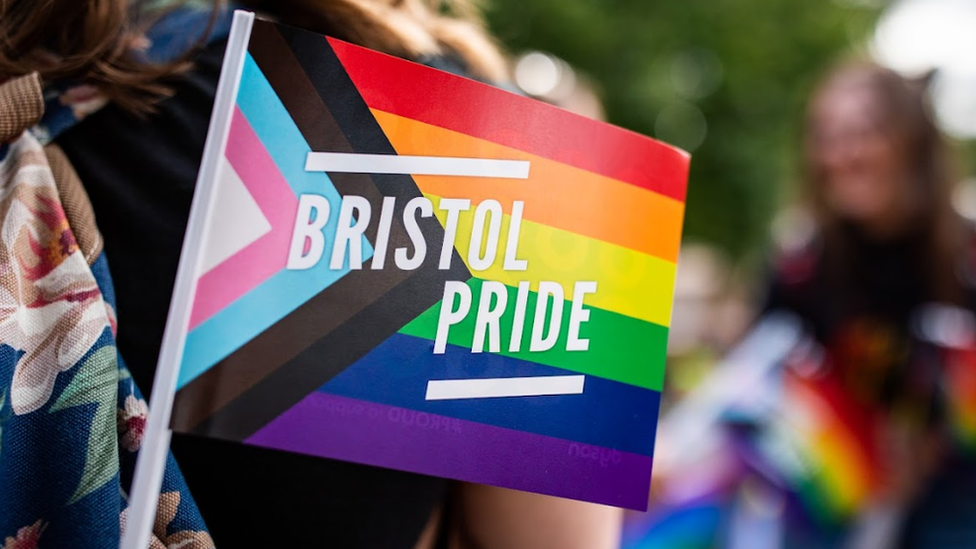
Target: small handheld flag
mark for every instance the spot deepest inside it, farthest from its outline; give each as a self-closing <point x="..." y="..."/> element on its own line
<point x="397" y="266"/>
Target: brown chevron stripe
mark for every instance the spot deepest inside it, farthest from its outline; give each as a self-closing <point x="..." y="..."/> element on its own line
<point x="327" y="357"/>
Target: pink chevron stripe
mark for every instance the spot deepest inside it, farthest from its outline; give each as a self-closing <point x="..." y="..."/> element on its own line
<point x="267" y="255"/>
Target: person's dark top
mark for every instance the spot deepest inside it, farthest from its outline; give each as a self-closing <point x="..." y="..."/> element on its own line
<point x="869" y="311"/>
<point x="865" y="306"/>
<point x="140" y="175"/>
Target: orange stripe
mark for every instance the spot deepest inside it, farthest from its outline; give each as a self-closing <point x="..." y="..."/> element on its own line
<point x="556" y="194"/>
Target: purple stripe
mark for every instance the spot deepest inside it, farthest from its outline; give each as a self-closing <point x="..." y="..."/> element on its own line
<point x="365" y="432"/>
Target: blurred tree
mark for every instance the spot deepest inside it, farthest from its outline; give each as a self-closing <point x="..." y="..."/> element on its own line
<point x="726" y="78"/>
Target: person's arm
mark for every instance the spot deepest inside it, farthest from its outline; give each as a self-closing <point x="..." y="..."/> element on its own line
<point x="497" y="518"/>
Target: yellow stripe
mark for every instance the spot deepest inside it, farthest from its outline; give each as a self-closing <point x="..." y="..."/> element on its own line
<point x="628" y="282"/>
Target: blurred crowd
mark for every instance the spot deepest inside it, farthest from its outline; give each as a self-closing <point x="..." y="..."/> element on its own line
<point x="842" y="417"/>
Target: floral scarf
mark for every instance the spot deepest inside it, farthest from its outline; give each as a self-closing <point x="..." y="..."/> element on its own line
<point x="71" y="418"/>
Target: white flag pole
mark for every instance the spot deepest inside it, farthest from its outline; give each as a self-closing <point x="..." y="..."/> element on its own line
<point x="151" y="462"/>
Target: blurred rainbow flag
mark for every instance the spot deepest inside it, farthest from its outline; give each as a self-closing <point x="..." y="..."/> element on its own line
<point x="961" y="392"/>
<point x="824" y="448"/>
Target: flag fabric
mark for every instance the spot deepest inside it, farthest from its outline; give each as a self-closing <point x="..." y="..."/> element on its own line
<point x="688" y="525"/>
<point x="960" y="387"/>
<point x="836" y="439"/>
<point x="343" y="357"/>
<point x="820" y="446"/>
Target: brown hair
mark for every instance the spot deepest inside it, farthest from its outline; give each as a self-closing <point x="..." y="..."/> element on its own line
<point x="92" y="41"/>
<point x="904" y="107"/>
<point x="97" y="41"/>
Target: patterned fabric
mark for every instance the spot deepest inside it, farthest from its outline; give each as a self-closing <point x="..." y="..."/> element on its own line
<point x="71" y="418"/>
<point x="75" y="202"/>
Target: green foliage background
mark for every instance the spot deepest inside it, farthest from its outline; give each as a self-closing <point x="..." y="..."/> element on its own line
<point x="771" y="53"/>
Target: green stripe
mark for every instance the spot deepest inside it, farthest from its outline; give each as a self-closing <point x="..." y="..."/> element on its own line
<point x="621" y="348"/>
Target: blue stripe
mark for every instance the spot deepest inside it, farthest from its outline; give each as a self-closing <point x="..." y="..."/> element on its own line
<point x="283" y="140"/>
<point x="256" y="311"/>
<point x="609" y="413"/>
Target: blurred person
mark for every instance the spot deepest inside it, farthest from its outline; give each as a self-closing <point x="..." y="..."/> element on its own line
<point x="859" y="434"/>
<point x="881" y="283"/>
<point x="129" y="87"/>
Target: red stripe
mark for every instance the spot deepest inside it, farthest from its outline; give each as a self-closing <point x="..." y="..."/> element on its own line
<point x="456" y="103"/>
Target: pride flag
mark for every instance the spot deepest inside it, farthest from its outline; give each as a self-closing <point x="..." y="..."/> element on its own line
<point x="960" y="389"/>
<point x="835" y="470"/>
<point x="299" y="337"/>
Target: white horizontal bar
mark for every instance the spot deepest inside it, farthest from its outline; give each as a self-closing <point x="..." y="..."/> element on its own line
<point x="450" y="389"/>
<point x="415" y="165"/>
